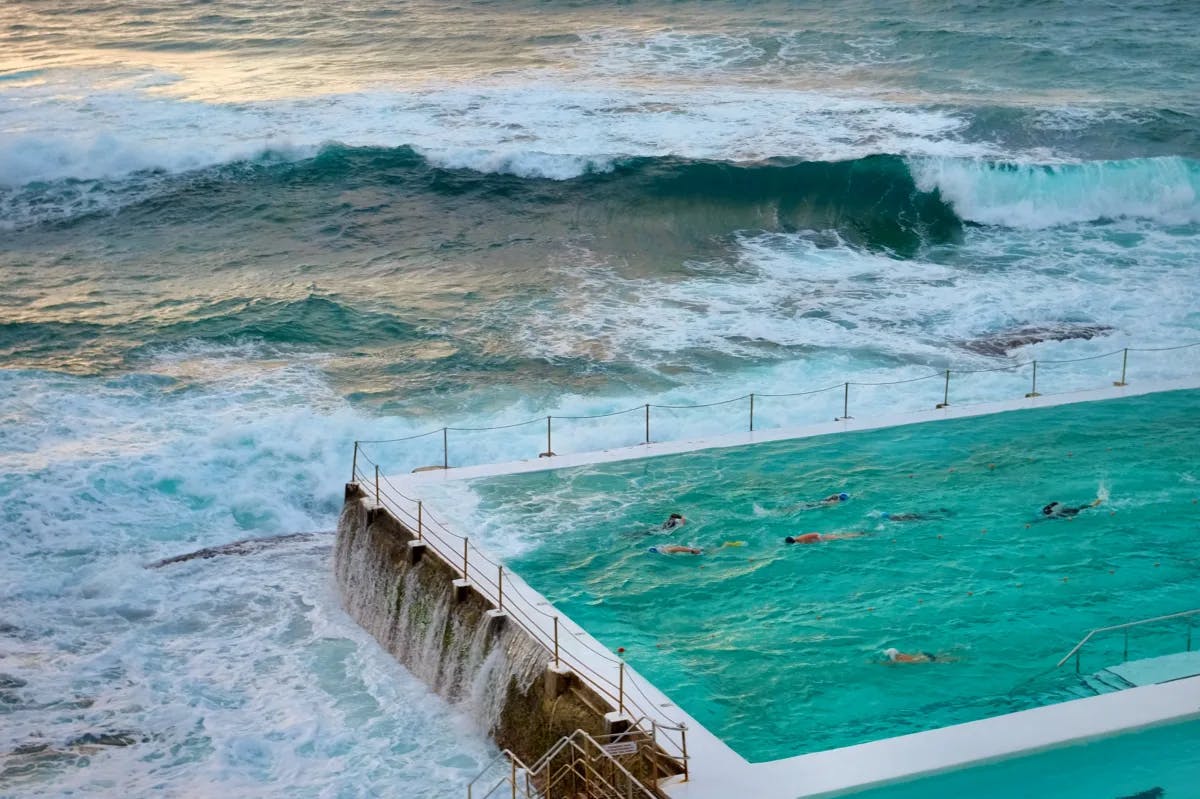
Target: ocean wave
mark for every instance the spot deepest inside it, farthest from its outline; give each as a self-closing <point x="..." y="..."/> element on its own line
<point x="1032" y="197"/>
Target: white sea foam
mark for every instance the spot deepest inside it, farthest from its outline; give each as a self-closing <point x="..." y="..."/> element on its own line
<point x="1166" y="190"/>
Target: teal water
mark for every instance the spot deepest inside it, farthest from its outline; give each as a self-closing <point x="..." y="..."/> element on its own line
<point x="1157" y="763"/>
<point x="778" y="649"/>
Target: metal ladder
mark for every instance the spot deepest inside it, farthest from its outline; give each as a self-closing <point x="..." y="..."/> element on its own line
<point x="1126" y="628"/>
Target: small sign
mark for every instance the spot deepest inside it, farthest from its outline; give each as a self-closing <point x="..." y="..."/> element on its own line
<point x="621" y="748"/>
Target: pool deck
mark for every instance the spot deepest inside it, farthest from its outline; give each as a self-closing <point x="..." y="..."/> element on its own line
<point x="717" y="772"/>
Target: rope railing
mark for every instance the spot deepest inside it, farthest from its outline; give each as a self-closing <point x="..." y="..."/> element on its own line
<point x="946" y="374"/>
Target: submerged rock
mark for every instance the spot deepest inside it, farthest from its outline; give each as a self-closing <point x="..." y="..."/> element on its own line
<point x="1006" y="341"/>
<point x="249" y="546"/>
<point x="105" y="739"/>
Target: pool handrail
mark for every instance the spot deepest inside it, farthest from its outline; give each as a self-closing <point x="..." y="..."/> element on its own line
<point x="1126" y="627"/>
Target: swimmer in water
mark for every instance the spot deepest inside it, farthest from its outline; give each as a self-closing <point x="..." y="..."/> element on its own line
<point x="1057" y="510"/>
<point x="832" y="499"/>
<point x="896" y="656"/>
<point x="940" y="513"/>
<point x="674" y="549"/>
<point x="816" y="538"/>
<point x="673" y="521"/>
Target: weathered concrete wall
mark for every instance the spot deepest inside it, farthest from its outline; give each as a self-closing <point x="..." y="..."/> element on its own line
<point x="497" y="670"/>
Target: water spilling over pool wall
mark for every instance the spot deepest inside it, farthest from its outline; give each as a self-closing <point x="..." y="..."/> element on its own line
<point x="445" y="635"/>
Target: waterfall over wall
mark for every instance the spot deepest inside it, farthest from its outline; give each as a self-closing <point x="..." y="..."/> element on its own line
<point x="411" y="609"/>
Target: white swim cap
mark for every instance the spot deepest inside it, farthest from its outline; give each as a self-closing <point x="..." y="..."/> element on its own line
<point x="891" y="653"/>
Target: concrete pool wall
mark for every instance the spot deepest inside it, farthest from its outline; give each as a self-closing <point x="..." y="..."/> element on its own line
<point x="717" y="771"/>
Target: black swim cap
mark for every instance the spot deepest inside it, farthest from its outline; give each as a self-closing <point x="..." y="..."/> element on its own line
<point x="789" y="540"/>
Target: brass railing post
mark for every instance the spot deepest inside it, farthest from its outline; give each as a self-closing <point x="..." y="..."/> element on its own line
<point x="1124" y="363"/>
<point x="1033" y="392"/>
<point x="647" y="423"/>
<point x="445" y="448"/>
<point x="420" y="519"/>
<point x="946" y="391"/>
<point x="556" y="641"/>
<point x="466" y="542"/>
<point x="377" y="485"/>
<point x="549" y="448"/>
<point x="751" y="411"/>
<point x="354" y="465"/>
<point x="500" y="586"/>
<point x="513" y="777"/>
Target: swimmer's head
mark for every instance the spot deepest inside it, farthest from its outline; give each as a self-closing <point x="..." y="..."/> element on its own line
<point x="675" y="516"/>
<point x="789" y="540"/>
<point x="842" y="497"/>
<point x="891" y="653"/>
<point x="1049" y="509"/>
<point x="885" y="515"/>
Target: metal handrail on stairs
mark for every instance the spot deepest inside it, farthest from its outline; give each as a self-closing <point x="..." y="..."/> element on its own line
<point x="1126" y="627"/>
<point x="588" y="762"/>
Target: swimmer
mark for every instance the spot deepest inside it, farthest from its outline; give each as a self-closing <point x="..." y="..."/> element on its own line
<point x="832" y="499"/>
<point x="674" y="549"/>
<point x="896" y="656"/>
<point x="1057" y="510"/>
<point x="816" y="538"/>
<point x="673" y="521"/>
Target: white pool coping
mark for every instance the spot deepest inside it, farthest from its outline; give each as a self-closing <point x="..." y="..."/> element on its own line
<point x="717" y="772"/>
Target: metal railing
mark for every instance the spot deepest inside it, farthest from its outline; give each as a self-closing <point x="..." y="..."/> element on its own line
<point x="507" y="593"/>
<point x="1126" y="628"/>
<point x="577" y="765"/>
<point x="757" y="404"/>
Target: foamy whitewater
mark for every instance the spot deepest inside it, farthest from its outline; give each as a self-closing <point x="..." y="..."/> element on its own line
<point x="236" y="237"/>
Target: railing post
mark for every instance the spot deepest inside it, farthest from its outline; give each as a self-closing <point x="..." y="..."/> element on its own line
<point x="845" y="403"/>
<point x="513" y="777"/>
<point x="549" y="449"/>
<point x="621" y="690"/>
<point x="1125" y="656"/>
<point x="647" y="423"/>
<point x="445" y="448"/>
<point x="1124" y="363"/>
<point x="683" y="748"/>
<point x="420" y="519"/>
<point x="377" y="485"/>
<point x="752" y="412"/>
<point x="354" y="465"/>
<point x="1033" y="391"/>
<point x="556" y="641"/>
<point x="946" y="391"/>
<point x="465" y="544"/>
<point x="500" y="586"/>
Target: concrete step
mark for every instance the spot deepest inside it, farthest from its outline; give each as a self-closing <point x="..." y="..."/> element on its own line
<point x="1150" y="671"/>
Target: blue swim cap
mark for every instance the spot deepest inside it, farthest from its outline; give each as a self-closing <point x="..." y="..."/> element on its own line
<point x="653" y="549"/>
<point x="843" y="496"/>
<point x="885" y="515"/>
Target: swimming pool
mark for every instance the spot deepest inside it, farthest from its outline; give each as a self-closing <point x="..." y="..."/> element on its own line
<point x="1158" y="763"/>
<point x="777" y="648"/>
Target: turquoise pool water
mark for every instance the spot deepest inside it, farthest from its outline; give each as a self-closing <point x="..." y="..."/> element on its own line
<point x="778" y="648"/>
<point x="1156" y="763"/>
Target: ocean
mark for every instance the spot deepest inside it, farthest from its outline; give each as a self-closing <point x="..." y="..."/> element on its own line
<point x="236" y="236"/>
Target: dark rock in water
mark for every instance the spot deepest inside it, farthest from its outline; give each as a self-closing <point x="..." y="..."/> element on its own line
<point x="1153" y="793"/>
<point x="1006" y="341"/>
<point x="248" y="547"/>
<point x="8" y="629"/>
<point x="104" y="739"/>
<point x="30" y="748"/>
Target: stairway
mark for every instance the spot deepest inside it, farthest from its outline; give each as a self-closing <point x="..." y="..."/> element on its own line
<point x="1148" y="671"/>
